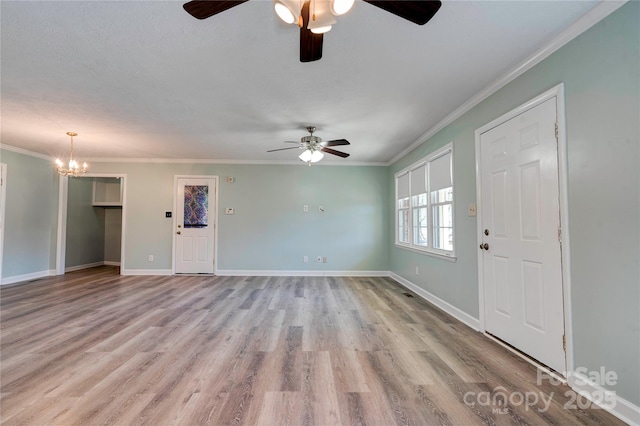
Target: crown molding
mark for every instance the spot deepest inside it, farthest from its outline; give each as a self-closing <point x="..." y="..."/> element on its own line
<point x="223" y="161"/>
<point x="26" y="152"/>
<point x="589" y="19"/>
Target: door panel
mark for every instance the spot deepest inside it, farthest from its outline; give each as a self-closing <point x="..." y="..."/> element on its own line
<point x="195" y="232"/>
<point x="522" y="268"/>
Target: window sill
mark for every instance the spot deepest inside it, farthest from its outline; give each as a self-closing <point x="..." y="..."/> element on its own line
<point x="450" y="258"/>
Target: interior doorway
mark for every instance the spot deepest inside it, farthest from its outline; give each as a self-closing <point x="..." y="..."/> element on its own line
<point x="91" y="222"/>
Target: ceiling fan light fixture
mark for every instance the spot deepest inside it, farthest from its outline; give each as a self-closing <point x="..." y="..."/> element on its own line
<point x="316" y="156"/>
<point x="320" y="17"/>
<point x="311" y="156"/>
<point x="305" y="156"/>
<point x="286" y="11"/>
<point x="321" y="30"/>
<point x="340" y="7"/>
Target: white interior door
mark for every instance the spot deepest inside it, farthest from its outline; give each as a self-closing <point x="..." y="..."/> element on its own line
<point x="195" y="225"/>
<point x="520" y="213"/>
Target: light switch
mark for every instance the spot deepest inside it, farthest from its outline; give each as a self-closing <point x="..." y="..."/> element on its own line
<point x="230" y="179"/>
<point x="472" y="210"/>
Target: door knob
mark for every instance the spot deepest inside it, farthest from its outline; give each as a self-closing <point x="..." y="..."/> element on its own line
<point x="178" y="232"/>
<point x="484" y="246"/>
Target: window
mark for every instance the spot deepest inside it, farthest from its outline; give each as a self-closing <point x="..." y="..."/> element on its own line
<point x="424" y="204"/>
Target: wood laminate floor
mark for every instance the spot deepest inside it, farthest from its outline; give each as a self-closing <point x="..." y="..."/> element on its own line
<point x="93" y="348"/>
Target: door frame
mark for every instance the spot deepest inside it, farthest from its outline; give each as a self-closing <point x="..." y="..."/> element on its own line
<point x="63" y="199"/>
<point x="556" y="92"/>
<point x="216" y="183"/>
<point x="3" y="203"/>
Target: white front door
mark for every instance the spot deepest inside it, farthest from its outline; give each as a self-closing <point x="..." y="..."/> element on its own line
<point x="195" y="225"/>
<point x="520" y="219"/>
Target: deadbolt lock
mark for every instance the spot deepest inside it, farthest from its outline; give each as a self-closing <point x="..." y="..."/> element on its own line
<point x="486" y="232"/>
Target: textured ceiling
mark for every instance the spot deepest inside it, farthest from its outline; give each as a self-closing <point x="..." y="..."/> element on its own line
<point x="143" y="79"/>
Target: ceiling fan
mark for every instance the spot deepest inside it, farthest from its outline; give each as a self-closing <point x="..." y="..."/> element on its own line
<point x="314" y="148"/>
<point x="315" y="17"/>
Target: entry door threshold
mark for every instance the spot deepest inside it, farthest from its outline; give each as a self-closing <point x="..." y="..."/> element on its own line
<point x="548" y="370"/>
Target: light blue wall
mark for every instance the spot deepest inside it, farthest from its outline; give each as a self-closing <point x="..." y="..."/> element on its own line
<point x="269" y="230"/>
<point x="31" y="215"/>
<point x="601" y="73"/>
<point x="85" y="225"/>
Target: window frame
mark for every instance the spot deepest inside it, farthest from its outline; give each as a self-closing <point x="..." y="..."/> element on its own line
<point x="429" y="249"/>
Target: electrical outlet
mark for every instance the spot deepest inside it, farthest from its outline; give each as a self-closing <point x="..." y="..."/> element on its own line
<point x="150" y="258"/>
<point x="305" y="259"/>
<point x="417" y="271"/>
<point x="319" y="259"/>
<point x="324" y="259"/>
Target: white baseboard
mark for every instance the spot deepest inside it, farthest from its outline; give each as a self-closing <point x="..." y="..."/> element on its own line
<point x="616" y="405"/>
<point x="606" y="399"/>
<point x="458" y="314"/>
<point x="28" y="277"/>
<point x="146" y="272"/>
<point x="279" y="273"/>
<point x="85" y="266"/>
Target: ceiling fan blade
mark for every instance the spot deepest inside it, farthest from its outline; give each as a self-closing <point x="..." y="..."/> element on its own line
<point x="203" y="9"/>
<point x="417" y="11"/>
<point x="334" y="152"/>
<point x="310" y="43"/>
<point x="337" y="142"/>
<point x="282" y="149"/>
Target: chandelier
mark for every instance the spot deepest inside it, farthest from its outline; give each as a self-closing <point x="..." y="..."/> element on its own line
<point x="73" y="168"/>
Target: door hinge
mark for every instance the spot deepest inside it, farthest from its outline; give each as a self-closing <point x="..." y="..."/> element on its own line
<point x="556" y="131"/>
<point x="560" y="234"/>
<point x="564" y="342"/>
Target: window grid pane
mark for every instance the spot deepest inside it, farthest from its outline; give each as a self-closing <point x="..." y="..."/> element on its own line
<point x="443" y="226"/>
<point x="420" y="226"/>
<point x="403" y="226"/>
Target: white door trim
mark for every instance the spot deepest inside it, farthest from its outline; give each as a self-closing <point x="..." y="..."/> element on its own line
<point x="556" y="92"/>
<point x="216" y="181"/>
<point x="63" y="198"/>
<point x="3" y="202"/>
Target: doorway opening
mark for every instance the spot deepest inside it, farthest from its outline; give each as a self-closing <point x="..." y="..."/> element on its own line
<point x="91" y="222"/>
